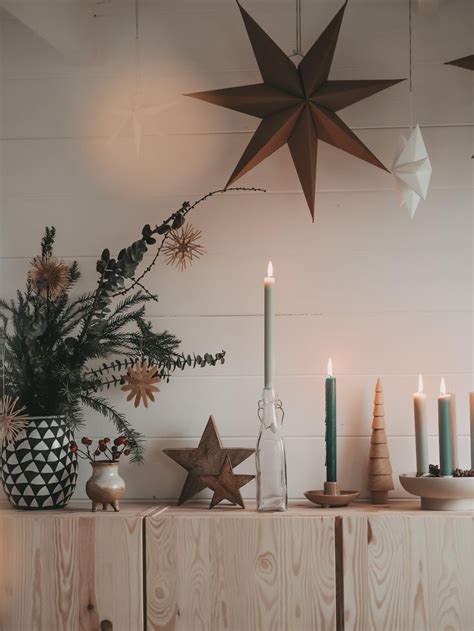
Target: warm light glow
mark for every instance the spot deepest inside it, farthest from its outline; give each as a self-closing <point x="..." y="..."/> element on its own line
<point x="420" y="384"/>
<point x="442" y="388"/>
<point x="270" y="270"/>
<point x="330" y="374"/>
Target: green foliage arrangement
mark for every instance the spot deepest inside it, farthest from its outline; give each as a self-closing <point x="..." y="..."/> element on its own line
<point x="59" y="352"/>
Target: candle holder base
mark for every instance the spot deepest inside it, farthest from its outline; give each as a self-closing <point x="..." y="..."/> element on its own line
<point x="444" y="493"/>
<point x="331" y="496"/>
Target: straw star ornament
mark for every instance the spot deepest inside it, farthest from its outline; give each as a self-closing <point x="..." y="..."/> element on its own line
<point x="49" y="276"/>
<point x="183" y="247"/>
<point x="12" y="420"/>
<point x="297" y="105"/>
<point x="140" y="382"/>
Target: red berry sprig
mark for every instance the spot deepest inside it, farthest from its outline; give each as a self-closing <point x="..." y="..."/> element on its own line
<point x="119" y="447"/>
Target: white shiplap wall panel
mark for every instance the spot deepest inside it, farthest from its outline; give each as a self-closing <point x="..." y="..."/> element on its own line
<point x="351" y="229"/>
<point x="385" y="296"/>
<point x="69" y="167"/>
<point x="303" y="397"/>
<point x="163" y="478"/>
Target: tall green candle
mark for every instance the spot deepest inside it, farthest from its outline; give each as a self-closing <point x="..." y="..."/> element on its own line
<point x="331" y="458"/>
<point x="269" y="284"/>
<point x="444" y="432"/>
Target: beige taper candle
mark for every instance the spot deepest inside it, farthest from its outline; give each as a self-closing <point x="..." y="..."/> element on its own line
<point x="421" y="429"/>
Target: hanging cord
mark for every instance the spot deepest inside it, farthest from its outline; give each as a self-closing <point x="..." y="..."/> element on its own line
<point x="137" y="47"/>
<point x="410" y="81"/>
<point x="298" y="51"/>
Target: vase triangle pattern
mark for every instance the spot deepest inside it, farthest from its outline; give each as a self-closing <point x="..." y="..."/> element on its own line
<point x="39" y="470"/>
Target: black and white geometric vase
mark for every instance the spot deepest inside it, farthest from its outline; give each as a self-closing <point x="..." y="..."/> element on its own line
<point x="38" y="469"/>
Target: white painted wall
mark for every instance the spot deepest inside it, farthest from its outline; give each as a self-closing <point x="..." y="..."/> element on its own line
<point x="383" y="295"/>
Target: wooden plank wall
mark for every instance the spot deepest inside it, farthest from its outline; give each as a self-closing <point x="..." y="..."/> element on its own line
<point x="383" y="295"/>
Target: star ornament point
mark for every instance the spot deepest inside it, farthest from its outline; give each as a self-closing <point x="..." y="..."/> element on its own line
<point x="297" y="105"/>
<point x="463" y="62"/>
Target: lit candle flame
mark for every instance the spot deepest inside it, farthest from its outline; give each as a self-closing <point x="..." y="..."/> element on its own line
<point x="330" y="373"/>
<point x="270" y="270"/>
<point x="420" y="384"/>
<point x="442" y="388"/>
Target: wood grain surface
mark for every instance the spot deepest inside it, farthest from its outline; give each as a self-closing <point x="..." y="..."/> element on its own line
<point x="239" y="574"/>
<point x="70" y="571"/>
<point x="408" y="572"/>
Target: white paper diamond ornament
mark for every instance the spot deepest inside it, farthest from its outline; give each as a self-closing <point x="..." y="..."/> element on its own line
<point x="411" y="171"/>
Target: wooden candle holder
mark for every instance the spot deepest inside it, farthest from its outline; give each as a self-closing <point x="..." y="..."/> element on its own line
<point x="331" y="496"/>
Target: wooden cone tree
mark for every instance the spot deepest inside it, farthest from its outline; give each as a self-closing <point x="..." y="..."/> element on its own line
<point x="380" y="469"/>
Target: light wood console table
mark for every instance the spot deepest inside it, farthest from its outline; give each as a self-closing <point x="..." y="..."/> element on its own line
<point x="363" y="568"/>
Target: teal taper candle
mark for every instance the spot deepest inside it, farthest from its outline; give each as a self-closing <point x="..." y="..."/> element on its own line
<point x="269" y="284"/>
<point x="444" y="432"/>
<point x="331" y="434"/>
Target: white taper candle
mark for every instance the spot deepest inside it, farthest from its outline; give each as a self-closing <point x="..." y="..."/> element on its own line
<point x="269" y="283"/>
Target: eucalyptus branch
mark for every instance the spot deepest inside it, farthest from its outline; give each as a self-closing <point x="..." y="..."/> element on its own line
<point x="175" y="221"/>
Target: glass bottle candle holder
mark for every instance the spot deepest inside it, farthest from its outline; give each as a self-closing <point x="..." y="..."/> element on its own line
<point x="272" y="492"/>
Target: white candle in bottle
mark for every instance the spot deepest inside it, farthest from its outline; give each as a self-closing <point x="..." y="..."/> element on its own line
<point x="269" y="283"/>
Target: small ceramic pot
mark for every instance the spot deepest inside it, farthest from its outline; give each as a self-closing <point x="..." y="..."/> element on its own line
<point x="105" y="486"/>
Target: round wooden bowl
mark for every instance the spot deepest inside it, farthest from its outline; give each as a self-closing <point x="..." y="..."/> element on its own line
<point x="343" y="498"/>
<point x="444" y="493"/>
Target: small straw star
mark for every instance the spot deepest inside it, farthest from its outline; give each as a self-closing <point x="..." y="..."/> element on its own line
<point x="183" y="247"/>
<point x="12" y="421"/>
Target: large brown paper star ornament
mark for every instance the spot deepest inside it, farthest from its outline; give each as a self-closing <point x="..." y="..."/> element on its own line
<point x="297" y="105"/>
<point x="206" y="460"/>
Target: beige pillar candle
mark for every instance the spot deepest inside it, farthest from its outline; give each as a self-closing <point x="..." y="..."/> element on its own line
<point x="421" y="429"/>
<point x="454" y="430"/>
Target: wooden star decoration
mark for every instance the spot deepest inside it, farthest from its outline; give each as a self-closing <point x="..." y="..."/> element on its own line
<point x="227" y="485"/>
<point x="297" y="105"/>
<point x="463" y="62"/>
<point x="206" y="460"/>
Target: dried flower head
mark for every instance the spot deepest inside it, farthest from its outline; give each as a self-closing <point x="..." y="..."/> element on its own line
<point x="183" y="247"/>
<point x="12" y="421"/>
<point x="140" y="380"/>
<point x="49" y="276"/>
